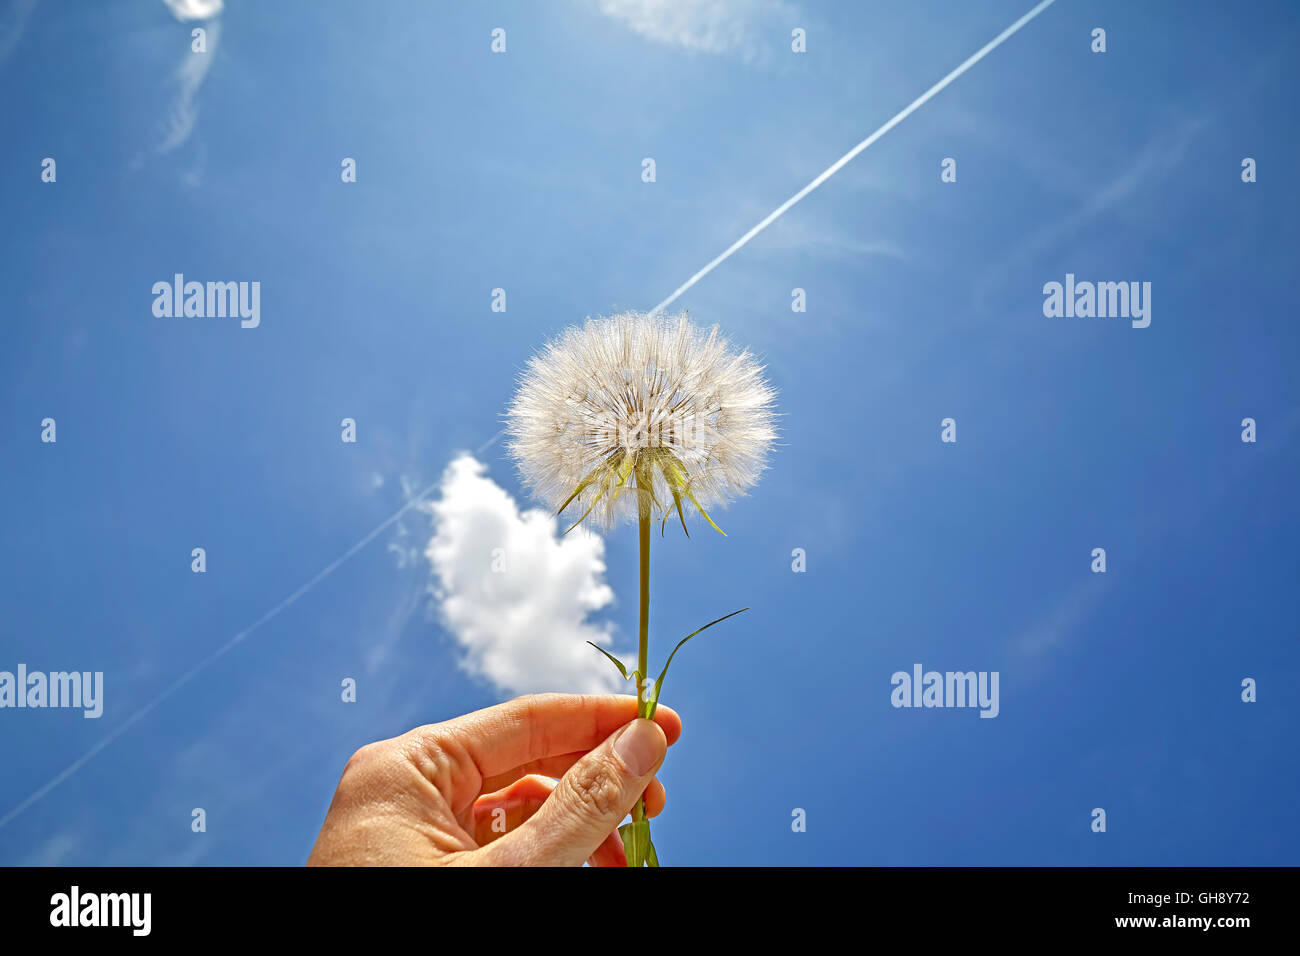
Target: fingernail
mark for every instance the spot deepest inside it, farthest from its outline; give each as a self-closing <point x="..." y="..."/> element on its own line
<point x="640" y="746"/>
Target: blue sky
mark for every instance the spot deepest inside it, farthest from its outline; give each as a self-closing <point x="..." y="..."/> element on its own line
<point x="522" y="171"/>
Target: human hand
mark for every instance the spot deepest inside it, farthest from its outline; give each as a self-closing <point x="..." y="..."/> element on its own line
<point x="476" y="790"/>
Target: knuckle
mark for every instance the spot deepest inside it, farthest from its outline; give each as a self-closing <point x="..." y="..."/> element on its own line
<point x="364" y="758"/>
<point x="439" y="756"/>
<point x="360" y="772"/>
<point x="597" y="795"/>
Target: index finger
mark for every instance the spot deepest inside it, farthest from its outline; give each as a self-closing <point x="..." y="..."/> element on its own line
<point x="530" y="728"/>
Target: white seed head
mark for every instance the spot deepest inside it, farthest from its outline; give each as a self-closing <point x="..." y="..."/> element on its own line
<point x="637" y="412"/>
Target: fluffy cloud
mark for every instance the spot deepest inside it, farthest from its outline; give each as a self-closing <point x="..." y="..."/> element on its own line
<point x="514" y="594"/>
<point x="194" y="9"/>
<point x="746" y="28"/>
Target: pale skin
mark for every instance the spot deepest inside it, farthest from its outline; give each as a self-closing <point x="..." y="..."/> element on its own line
<point x="478" y="790"/>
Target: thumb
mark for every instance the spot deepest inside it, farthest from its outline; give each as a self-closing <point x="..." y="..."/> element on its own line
<point x="589" y="802"/>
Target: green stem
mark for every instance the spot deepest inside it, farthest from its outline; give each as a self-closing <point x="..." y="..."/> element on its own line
<point x="643" y="642"/>
<point x="643" y="646"/>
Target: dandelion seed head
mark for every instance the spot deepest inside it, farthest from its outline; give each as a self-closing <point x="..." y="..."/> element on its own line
<point x="638" y="412"/>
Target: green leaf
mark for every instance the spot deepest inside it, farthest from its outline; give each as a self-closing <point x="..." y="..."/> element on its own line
<point x="703" y="512"/>
<point x="617" y="663"/>
<point x="652" y="858"/>
<point x="678" y="478"/>
<point x="611" y="462"/>
<point x="636" y="841"/>
<point x="653" y="699"/>
<point x="595" y="501"/>
<point x="673" y="474"/>
<point x="677" y="505"/>
<point x="623" y="472"/>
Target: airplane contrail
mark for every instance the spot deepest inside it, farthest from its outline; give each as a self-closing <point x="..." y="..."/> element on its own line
<point x="844" y="160"/>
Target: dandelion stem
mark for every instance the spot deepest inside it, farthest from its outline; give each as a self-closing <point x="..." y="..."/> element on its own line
<point x="643" y="640"/>
<point x="643" y="649"/>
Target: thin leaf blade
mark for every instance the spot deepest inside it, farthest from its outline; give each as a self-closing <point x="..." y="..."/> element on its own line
<point x="653" y="699"/>
<point x="617" y="663"/>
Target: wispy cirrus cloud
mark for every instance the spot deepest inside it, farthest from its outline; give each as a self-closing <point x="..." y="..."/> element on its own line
<point x="749" y="29"/>
<point x="514" y="594"/>
<point x="822" y="239"/>
<point x="190" y="73"/>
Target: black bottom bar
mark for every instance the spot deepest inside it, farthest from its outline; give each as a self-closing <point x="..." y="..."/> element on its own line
<point x="216" y="905"/>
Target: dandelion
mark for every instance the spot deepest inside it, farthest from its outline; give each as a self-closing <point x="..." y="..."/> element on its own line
<point x="636" y="417"/>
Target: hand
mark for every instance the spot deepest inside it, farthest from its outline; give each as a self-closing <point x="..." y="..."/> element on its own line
<point x="477" y="790"/>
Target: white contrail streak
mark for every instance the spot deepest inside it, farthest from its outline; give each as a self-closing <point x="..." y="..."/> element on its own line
<point x="489" y="443"/>
<point x="220" y="652"/>
<point x="844" y="160"/>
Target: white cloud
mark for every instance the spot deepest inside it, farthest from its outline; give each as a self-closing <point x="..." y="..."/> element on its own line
<point x="746" y="28"/>
<point x="190" y="73"/>
<point x="523" y="627"/>
<point x="194" y="9"/>
<point x="193" y="68"/>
